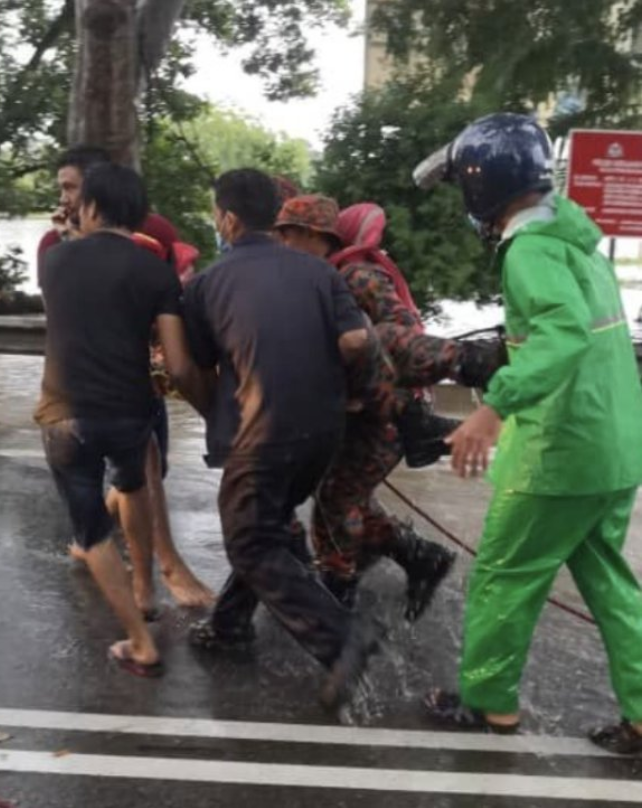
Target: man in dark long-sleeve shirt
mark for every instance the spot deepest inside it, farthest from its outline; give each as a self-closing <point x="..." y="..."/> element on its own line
<point x="279" y="327"/>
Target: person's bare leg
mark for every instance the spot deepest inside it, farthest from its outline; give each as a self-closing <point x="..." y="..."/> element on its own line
<point x="109" y="572"/>
<point x="136" y="521"/>
<point x="112" y="504"/>
<point x="183" y="585"/>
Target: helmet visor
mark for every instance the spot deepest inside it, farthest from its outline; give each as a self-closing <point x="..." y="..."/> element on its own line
<point x="435" y="168"/>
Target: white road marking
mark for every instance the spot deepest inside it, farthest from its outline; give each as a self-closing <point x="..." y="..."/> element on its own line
<point x="322" y="777"/>
<point x="23" y="454"/>
<point x="298" y="733"/>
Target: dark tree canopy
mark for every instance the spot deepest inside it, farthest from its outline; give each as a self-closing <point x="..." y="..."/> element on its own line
<point x="39" y="45"/>
<point x="521" y="53"/>
<point x="111" y="73"/>
<point x="574" y="61"/>
<point x="370" y="153"/>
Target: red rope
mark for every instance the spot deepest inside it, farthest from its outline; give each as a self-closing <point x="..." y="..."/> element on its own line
<point x="449" y="535"/>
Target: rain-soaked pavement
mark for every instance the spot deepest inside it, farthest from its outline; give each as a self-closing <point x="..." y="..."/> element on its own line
<point x="223" y="731"/>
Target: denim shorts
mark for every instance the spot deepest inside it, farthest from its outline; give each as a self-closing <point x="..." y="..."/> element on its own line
<point x="78" y="450"/>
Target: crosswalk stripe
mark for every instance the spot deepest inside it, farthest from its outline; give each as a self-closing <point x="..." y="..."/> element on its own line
<point x="298" y="733"/>
<point x="322" y="777"/>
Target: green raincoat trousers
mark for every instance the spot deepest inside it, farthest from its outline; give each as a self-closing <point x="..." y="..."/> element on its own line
<point x="568" y="463"/>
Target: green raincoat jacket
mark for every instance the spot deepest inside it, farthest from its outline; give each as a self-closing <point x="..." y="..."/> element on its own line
<point x="571" y="395"/>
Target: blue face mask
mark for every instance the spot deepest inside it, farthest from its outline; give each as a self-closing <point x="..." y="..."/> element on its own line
<point x="222" y="245"/>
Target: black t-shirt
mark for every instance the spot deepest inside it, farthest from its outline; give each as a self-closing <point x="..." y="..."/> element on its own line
<point x="269" y="318"/>
<point x="102" y="295"/>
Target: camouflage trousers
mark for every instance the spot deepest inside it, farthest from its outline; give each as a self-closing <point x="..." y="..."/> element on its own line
<point x="349" y="526"/>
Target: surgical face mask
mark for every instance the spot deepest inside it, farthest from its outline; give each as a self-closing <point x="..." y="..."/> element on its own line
<point x="222" y="245"/>
<point x="220" y="235"/>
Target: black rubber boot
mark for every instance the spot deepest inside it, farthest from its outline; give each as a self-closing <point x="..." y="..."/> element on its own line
<point x="422" y="434"/>
<point x="363" y="641"/>
<point x="344" y="589"/>
<point x="426" y="564"/>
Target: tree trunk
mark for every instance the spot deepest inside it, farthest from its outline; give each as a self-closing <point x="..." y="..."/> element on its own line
<point x="120" y="43"/>
<point x="156" y="22"/>
<point x="103" y="104"/>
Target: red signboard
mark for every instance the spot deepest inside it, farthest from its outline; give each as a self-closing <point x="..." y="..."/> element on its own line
<point x="605" y="177"/>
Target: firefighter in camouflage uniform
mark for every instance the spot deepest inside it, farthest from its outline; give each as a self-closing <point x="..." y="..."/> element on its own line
<point x="351" y="530"/>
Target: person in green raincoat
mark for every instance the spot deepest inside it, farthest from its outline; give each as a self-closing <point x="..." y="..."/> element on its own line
<point x="569" y="407"/>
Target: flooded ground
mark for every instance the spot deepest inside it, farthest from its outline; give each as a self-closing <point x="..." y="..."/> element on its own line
<point x="457" y="316"/>
<point x="56" y="688"/>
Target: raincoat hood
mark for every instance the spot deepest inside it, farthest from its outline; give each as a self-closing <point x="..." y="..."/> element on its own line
<point x="570" y="224"/>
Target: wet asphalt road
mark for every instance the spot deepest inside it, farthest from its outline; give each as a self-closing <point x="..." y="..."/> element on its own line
<point x="260" y="737"/>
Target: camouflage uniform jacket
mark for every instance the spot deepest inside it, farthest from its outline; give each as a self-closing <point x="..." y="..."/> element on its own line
<point x="420" y="360"/>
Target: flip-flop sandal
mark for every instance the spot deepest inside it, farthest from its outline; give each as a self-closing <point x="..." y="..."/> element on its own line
<point x="447" y="709"/>
<point x="620" y="739"/>
<point x="142" y="669"/>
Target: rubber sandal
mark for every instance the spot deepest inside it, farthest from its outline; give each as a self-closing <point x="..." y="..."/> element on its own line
<point x="447" y="709"/>
<point x="144" y="670"/>
<point x="620" y="739"/>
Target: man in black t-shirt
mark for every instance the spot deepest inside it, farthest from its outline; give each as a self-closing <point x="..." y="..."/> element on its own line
<point x="279" y="327"/>
<point x="103" y="295"/>
<point x="159" y="236"/>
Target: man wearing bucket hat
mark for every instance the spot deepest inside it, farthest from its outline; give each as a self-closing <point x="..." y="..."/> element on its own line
<point x="351" y="529"/>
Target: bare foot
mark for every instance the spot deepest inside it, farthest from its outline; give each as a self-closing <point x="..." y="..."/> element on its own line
<point x="503" y="719"/>
<point x="139" y="660"/>
<point x="146" y="654"/>
<point x="185" y="587"/>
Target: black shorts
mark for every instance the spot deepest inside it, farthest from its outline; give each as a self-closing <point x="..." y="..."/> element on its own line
<point x="77" y="451"/>
<point x="160" y="428"/>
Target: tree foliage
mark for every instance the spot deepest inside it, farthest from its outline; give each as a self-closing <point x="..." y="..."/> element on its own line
<point x="12" y="272"/>
<point x="369" y="156"/>
<point x="521" y="53"/>
<point x="182" y="158"/>
<point x="39" y="46"/>
<point x="456" y="60"/>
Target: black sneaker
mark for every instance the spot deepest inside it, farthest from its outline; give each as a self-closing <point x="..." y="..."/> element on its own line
<point x="364" y="640"/>
<point x="620" y="739"/>
<point x="203" y="635"/>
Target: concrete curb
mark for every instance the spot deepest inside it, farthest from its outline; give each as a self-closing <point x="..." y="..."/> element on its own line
<point x="23" y="334"/>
